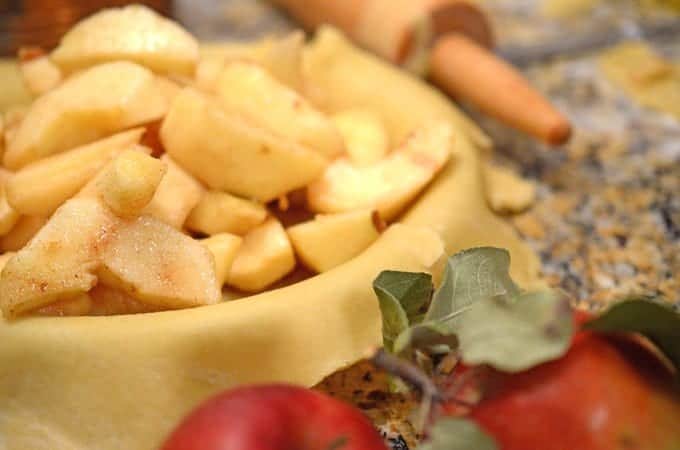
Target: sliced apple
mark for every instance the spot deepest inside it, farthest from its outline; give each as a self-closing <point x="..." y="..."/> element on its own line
<point x="130" y="182"/>
<point x="8" y="215"/>
<point x="40" y="74"/>
<point x="14" y="91"/>
<point x="83" y="240"/>
<point x="248" y="90"/>
<point x="220" y="212"/>
<point x="281" y="57"/>
<point x="60" y="260"/>
<point x="207" y="71"/>
<point x="86" y="107"/>
<point x="265" y="257"/>
<point x="41" y="187"/>
<point x="11" y="120"/>
<point x="13" y="116"/>
<point x="330" y="240"/>
<point x="2" y="135"/>
<point x="80" y="305"/>
<point x="168" y="88"/>
<point x="99" y="301"/>
<point x="91" y="188"/>
<point x="21" y="233"/>
<point x="107" y="301"/>
<point x="158" y="265"/>
<point x="224" y="247"/>
<point x="388" y="185"/>
<point x="230" y="154"/>
<point x="133" y="33"/>
<point x="177" y="194"/>
<point x="365" y="136"/>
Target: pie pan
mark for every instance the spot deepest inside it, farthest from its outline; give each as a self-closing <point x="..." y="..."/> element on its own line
<point x="123" y="382"/>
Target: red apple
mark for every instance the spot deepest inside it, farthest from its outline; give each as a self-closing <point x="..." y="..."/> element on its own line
<point x="604" y="394"/>
<point x="275" y="417"/>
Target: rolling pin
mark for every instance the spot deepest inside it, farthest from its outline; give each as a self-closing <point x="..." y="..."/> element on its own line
<point x="453" y="39"/>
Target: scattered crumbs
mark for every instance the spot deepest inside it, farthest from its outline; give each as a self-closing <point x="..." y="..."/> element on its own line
<point x="567" y="8"/>
<point x="646" y="76"/>
<point x="507" y="192"/>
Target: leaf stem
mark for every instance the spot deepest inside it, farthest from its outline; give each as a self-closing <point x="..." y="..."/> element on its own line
<point x="407" y="372"/>
<point x="413" y="375"/>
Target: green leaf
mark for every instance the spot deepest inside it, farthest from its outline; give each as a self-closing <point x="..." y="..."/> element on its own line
<point x="423" y="335"/>
<point x="470" y="276"/>
<point x="514" y="336"/>
<point x="477" y="310"/>
<point x="394" y="319"/>
<point x="457" y="434"/>
<point x="413" y="290"/>
<point x="658" y="322"/>
<point x="400" y="294"/>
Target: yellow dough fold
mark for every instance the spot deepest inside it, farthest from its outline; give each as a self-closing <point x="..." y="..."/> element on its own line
<point x="122" y="382"/>
<point x="342" y="76"/>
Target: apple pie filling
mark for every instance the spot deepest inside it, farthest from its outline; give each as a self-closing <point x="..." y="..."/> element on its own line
<point x="150" y="174"/>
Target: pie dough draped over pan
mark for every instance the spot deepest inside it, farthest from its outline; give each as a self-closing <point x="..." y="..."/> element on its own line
<point x="123" y="382"/>
<point x="455" y="205"/>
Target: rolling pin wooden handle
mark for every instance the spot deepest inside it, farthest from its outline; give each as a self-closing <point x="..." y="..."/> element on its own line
<point x="343" y="14"/>
<point x="468" y="71"/>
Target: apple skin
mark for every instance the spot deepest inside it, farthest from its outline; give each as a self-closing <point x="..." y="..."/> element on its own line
<point x="605" y="394"/>
<point x="274" y="417"/>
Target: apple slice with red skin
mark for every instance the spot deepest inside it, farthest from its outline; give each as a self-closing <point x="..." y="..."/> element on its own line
<point x="274" y="417"/>
<point x="606" y="393"/>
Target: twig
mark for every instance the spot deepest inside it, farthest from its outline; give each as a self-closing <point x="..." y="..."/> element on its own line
<point x="407" y="372"/>
<point x="432" y="395"/>
<point x="413" y="375"/>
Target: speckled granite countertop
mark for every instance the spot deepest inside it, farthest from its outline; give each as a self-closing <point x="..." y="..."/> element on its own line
<point x="607" y="219"/>
<point x="606" y="222"/>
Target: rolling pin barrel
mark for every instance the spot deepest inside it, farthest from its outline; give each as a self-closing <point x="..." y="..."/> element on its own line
<point x="343" y="14"/>
<point x="453" y="36"/>
<point x="394" y="29"/>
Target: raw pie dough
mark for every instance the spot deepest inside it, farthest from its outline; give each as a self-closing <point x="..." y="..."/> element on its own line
<point x="646" y="77"/>
<point x="123" y="382"/>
